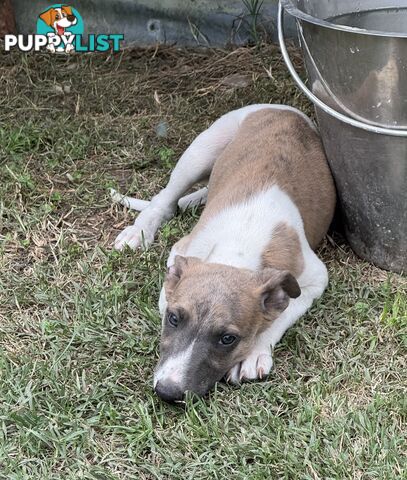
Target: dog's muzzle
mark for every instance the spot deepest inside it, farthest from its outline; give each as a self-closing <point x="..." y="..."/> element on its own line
<point x="169" y="392"/>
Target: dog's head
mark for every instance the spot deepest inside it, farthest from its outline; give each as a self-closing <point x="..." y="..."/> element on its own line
<point x="213" y="315"/>
<point x="59" y="18"/>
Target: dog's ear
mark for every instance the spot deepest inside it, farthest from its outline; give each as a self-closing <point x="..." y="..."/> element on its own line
<point x="176" y="271"/>
<point x="277" y="287"/>
<point x="67" y="10"/>
<point x="47" y="16"/>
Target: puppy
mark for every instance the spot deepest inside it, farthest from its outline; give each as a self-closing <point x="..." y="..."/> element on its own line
<point x="247" y="271"/>
<point x="60" y="19"/>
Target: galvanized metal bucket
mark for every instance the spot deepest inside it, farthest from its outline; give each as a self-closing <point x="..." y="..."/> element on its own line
<point x="356" y="60"/>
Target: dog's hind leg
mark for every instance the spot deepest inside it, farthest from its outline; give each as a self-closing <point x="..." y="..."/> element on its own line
<point x="194" y="199"/>
<point x="194" y="165"/>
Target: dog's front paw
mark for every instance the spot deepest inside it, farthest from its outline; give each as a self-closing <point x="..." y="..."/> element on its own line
<point x="134" y="237"/>
<point x="256" y="366"/>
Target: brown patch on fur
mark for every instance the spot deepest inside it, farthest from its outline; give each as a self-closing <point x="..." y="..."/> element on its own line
<point x="284" y="251"/>
<point x="275" y="147"/>
<point x="49" y="16"/>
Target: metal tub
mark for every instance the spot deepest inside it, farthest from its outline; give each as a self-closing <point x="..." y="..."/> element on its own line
<point x="356" y="60"/>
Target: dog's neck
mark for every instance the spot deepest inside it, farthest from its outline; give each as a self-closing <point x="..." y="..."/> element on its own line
<point x="240" y="235"/>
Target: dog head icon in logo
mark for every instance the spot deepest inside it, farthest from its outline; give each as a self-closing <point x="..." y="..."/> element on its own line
<point x="61" y="23"/>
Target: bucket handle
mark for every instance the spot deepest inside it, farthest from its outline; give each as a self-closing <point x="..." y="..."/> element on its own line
<point x="317" y="101"/>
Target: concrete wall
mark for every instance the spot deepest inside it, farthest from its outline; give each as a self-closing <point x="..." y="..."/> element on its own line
<point x="182" y="22"/>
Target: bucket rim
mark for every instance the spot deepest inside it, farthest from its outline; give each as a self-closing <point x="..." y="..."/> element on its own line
<point x="299" y="14"/>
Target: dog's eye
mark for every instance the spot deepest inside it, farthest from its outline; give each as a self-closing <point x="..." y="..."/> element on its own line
<point x="173" y="319"/>
<point x="227" y="339"/>
<point x="57" y="17"/>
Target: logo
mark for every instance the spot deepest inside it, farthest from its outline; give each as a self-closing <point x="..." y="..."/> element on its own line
<point x="60" y="29"/>
<point x="60" y="24"/>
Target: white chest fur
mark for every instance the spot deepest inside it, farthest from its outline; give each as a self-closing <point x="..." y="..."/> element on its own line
<point x="239" y="234"/>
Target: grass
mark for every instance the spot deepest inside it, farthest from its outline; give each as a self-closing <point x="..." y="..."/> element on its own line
<point x="79" y="326"/>
<point x="253" y="7"/>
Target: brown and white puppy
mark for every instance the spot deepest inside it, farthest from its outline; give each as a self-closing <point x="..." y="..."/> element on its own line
<point x="247" y="271"/>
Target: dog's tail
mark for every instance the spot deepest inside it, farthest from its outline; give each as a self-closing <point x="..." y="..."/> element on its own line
<point x="191" y="200"/>
<point x="128" y="202"/>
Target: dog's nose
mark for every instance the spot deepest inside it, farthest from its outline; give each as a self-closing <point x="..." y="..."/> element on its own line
<point x="71" y="18"/>
<point x="169" y="391"/>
